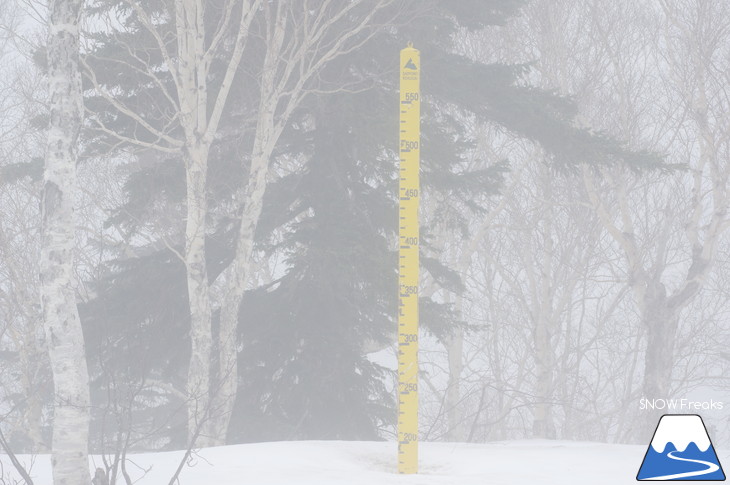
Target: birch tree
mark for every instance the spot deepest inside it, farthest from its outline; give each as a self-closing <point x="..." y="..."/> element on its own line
<point x="298" y="41"/>
<point x="550" y="260"/>
<point x="26" y="381"/>
<point x="558" y="257"/>
<point x="287" y="75"/>
<point x="64" y="338"/>
<point x="666" y="272"/>
<point x="198" y="106"/>
<point x="190" y="72"/>
<point x="649" y="73"/>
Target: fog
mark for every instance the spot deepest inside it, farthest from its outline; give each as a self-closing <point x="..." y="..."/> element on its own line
<point x="200" y="241"/>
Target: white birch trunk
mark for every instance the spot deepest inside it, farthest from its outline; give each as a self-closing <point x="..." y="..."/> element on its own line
<point x="253" y="199"/>
<point x="224" y="398"/>
<point x="192" y="70"/>
<point x="200" y="126"/>
<point x="198" y="383"/>
<point x="199" y="107"/>
<point x="286" y="70"/>
<point x="252" y="203"/>
<point x="65" y="340"/>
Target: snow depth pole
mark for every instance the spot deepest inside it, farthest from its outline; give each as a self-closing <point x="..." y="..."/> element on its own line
<point x="410" y="138"/>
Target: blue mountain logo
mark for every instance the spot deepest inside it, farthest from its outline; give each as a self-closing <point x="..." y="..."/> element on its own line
<point x="410" y="65"/>
<point x="681" y="450"/>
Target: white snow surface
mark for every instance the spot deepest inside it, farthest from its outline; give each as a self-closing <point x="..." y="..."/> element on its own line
<point x="374" y="463"/>
<point x="681" y="430"/>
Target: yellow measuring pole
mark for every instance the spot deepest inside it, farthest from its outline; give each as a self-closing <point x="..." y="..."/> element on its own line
<point x="410" y="140"/>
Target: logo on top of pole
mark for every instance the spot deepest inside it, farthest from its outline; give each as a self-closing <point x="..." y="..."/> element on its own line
<point x="408" y="259"/>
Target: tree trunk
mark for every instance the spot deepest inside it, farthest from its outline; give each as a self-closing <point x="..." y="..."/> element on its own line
<point x="661" y="328"/>
<point x="455" y="351"/>
<point x="252" y="200"/>
<point x="542" y="283"/>
<point x="224" y="398"/>
<point x="62" y="326"/>
<point x="198" y="384"/>
<point x="543" y="426"/>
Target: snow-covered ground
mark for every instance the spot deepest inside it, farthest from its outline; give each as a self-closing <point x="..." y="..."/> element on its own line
<point x="373" y="463"/>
